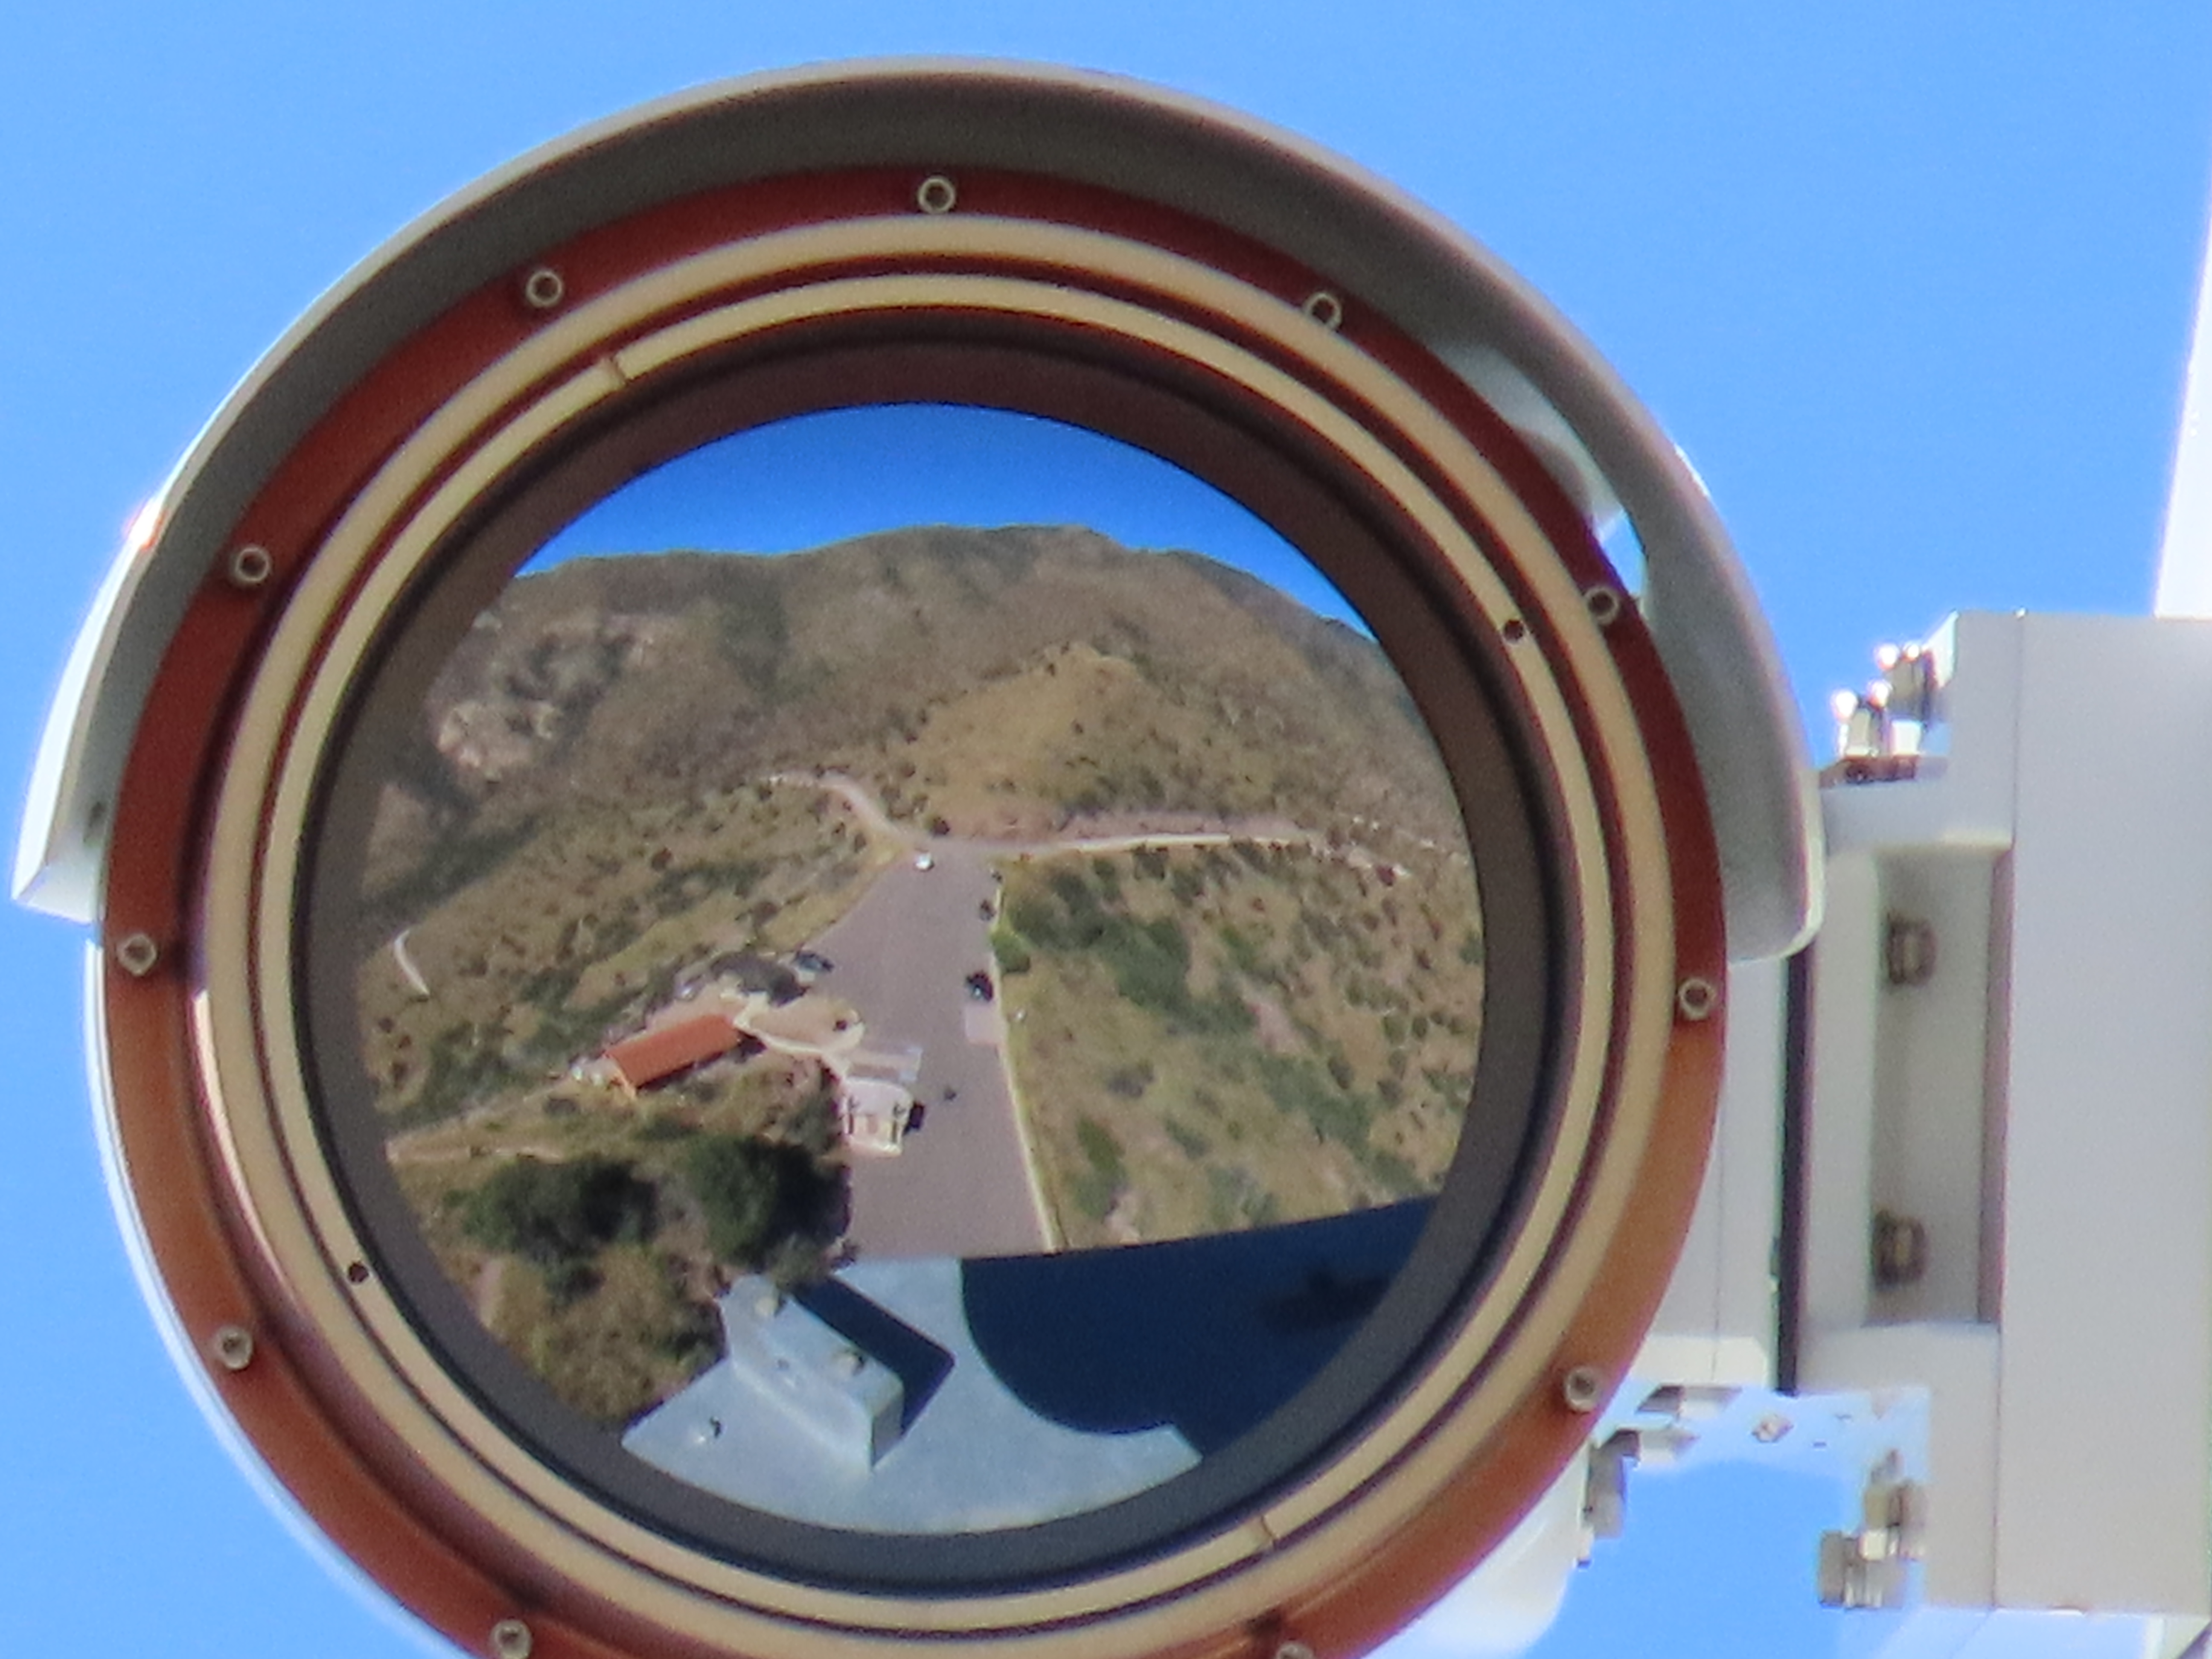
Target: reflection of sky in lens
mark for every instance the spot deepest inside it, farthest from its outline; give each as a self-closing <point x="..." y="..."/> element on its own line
<point x="820" y="478"/>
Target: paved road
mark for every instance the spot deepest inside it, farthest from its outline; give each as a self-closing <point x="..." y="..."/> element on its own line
<point x="962" y="1187"/>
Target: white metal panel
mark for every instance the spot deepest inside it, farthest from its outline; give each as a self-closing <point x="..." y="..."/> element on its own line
<point x="1839" y="1205"/>
<point x="1716" y="1323"/>
<point x="2106" y="1472"/>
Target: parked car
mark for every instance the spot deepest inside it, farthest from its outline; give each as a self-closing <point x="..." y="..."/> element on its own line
<point x="980" y="988"/>
<point x="925" y="861"/>
<point x="811" y="962"/>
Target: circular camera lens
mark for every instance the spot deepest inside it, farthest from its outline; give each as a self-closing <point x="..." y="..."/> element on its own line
<point x="932" y="1031"/>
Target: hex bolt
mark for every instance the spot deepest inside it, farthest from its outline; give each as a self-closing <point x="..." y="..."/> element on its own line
<point x="1696" y="999"/>
<point x="937" y="194"/>
<point x="543" y="289"/>
<point x="1604" y="604"/>
<point x="1582" y="1389"/>
<point x="1325" y="308"/>
<point x="250" y="566"/>
<point x="510" y="1639"/>
<point x="136" y="953"/>
<point x="234" y="1348"/>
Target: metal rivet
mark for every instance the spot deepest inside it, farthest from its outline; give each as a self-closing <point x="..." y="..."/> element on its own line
<point x="234" y="1348"/>
<point x="1582" y="1389"/>
<point x="543" y="289"/>
<point x="937" y="194"/>
<point x="510" y="1639"/>
<point x="1604" y="603"/>
<point x="137" y="954"/>
<point x="250" y="566"/>
<point x="1514" y="630"/>
<point x="1294" y="1650"/>
<point x="1696" y="998"/>
<point x="1324" y="308"/>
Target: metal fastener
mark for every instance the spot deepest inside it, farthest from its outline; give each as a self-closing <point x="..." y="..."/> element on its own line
<point x="1604" y="603"/>
<point x="1582" y="1389"/>
<point x="250" y="566"/>
<point x="234" y="1348"/>
<point x="1325" y="308"/>
<point x="1294" y="1650"/>
<point x="510" y="1639"/>
<point x="937" y="194"/>
<point x="1696" y="998"/>
<point x="136" y="953"/>
<point x="543" y="289"/>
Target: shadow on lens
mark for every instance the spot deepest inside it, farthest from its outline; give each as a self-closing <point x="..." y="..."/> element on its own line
<point x="923" y="1030"/>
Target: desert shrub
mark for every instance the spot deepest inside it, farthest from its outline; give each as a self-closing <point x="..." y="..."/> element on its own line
<point x="1130" y="1082"/>
<point x="1012" y="952"/>
<point x="1150" y="962"/>
<point x="1101" y="1150"/>
<point x="757" y="1193"/>
<point x="1195" y="1147"/>
<point x="1296" y="1086"/>
<point x="558" y="1215"/>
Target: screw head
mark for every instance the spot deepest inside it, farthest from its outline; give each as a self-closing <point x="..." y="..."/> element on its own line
<point x="1604" y="604"/>
<point x="234" y="1348"/>
<point x="1325" y="308"/>
<point x="511" y="1639"/>
<point x="1582" y="1389"/>
<point x="1696" y="999"/>
<point x="249" y="566"/>
<point x="937" y="194"/>
<point x="136" y="953"/>
<point x="543" y="289"/>
<point x="1294" y="1650"/>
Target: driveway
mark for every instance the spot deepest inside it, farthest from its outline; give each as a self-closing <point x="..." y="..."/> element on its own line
<point x="962" y="1186"/>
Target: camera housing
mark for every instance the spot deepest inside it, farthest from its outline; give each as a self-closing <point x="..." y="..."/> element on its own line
<point x="1623" y="756"/>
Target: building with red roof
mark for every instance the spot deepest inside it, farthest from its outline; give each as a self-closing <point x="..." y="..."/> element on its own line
<point x="654" y="1056"/>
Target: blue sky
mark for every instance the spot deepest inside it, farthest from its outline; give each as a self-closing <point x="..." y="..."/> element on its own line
<point x="881" y="467"/>
<point x="1913" y="290"/>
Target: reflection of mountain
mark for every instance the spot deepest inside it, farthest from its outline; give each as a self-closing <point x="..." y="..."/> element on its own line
<point x="1004" y="680"/>
<point x="942" y="1396"/>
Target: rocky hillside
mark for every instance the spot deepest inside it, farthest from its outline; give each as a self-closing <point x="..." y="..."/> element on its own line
<point x="992" y="682"/>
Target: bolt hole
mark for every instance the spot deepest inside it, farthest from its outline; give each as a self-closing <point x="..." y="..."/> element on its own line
<point x="937" y="194"/>
<point x="543" y="289"/>
<point x="510" y="1639"/>
<point x="356" y="1273"/>
<point x="1604" y="604"/>
<point x="1514" y="630"/>
<point x="1325" y="308"/>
